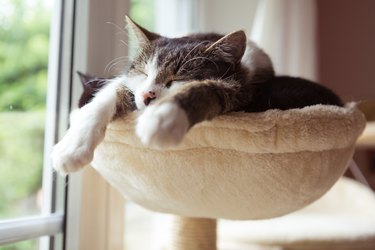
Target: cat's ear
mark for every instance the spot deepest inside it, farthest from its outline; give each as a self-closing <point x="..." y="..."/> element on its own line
<point x="230" y="47"/>
<point x="84" y="77"/>
<point x="87" y="80"/>
<point x="91" y="84"/>
<point x="143" y="36"/>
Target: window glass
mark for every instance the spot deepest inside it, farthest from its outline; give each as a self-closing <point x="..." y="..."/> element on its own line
<point x="22" y="245"/>
<point x="142" y="11"/>
<point x="24" y="42"/>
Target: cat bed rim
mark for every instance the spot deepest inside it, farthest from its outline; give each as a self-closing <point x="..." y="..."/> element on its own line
<point x="257" y="123"/>
<point x="266" y="176"/>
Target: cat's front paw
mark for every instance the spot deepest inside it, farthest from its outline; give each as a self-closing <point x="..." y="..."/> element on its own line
<point x="162" y="125"/>
<point x="72" y="153"/>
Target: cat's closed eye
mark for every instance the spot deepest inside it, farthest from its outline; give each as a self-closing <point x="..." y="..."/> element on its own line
<point x="138" y="70"/>
<point x="168" y="84"/>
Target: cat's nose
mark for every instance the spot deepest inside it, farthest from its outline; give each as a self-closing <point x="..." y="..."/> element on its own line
<point x="148" y="97"/>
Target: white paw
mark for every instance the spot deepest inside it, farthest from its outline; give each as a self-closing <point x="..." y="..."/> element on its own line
<point x="76" y="149"/>
<point x="162" y="125"/>
<point x="71" y="154"/>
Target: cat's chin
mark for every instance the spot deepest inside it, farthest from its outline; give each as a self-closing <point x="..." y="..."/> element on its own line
<point x="162" y="125"/>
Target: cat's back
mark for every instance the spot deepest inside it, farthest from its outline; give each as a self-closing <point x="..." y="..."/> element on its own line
<point x="286" y="92"/>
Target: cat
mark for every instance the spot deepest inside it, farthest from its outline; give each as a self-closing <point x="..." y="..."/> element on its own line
<point x="176" y="83"/>
<point x="279" y="92"/>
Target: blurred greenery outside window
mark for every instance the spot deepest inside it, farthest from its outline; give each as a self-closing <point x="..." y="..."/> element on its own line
<point x="24" y="44"/>
<point x="142" y="12"/>
<point x="22" y="245"/>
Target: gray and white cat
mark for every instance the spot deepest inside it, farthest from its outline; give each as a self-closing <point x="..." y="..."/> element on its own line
<point x="177" y="83"/>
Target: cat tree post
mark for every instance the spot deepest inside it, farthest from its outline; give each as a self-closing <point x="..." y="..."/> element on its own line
<point x="193" y="234"/>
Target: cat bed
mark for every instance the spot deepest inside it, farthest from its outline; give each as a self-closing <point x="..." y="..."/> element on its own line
<point x="344" y="218"/>
<point x="238" y="166"/>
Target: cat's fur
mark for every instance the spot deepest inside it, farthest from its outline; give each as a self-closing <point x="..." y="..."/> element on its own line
<point x="177" y="83"/>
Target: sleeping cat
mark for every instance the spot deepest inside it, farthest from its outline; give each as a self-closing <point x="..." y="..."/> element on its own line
<point x="176" y="83"/>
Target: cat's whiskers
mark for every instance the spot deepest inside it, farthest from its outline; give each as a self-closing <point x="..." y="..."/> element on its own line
<point x="115" y="61"/>
<point x="122" y="30"/>
<point x="118" y="62"/>
<point x="123" y="42"/>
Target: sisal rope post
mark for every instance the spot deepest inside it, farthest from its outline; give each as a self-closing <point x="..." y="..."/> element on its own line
<point x="193" y="234"/>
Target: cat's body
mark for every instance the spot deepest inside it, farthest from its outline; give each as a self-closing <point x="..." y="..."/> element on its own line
<point x="179" y="82"/>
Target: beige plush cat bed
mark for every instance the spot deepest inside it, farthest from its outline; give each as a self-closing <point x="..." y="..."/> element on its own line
<point x="238" y="166"/>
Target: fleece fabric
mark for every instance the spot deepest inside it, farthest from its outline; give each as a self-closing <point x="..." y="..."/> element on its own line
<point x="237" y="166"/>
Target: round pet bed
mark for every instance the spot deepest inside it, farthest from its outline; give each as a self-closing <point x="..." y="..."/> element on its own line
<point x="238" y="166"/>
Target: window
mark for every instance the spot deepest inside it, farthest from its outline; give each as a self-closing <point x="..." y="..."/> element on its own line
<point x="23" y="85"/>
<point x="31" y="207"/>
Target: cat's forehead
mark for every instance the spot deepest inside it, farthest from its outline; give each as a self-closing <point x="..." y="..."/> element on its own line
<point x="167" y="49"/>
<point x="180" y="43"/>
<point x="172" y="49"/>
<point x="185" y="57"/>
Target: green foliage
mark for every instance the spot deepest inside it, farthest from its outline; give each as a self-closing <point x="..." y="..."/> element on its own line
<point x="21" y="147"/>
<point x="142" y="12"/>
<point x="24" y="43"/>
<point x="23" y="245"/>
<point x="24" y="38"/>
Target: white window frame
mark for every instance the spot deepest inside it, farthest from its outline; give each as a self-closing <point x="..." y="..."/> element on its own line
<point x="94" y="210"/>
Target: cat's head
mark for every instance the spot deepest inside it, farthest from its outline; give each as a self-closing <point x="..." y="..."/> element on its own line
<point x="165" y="64"/>
<point x="91" y="85"/>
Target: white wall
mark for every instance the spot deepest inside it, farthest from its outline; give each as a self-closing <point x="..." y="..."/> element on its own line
<point x="175" y="17"/>
<point x="180" y="17"/>
<point x="226" y="15"/>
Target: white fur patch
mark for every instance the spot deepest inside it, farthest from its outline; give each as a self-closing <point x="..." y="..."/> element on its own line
<point x="143" y="83"/>
<point x="133" y="82"/>
<point x="146" y="83"/>
<point x="162" y="125"/>
<point x="254" y="59"/>
<point x="75" y="150"/>
<point x="87" y="130"/>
